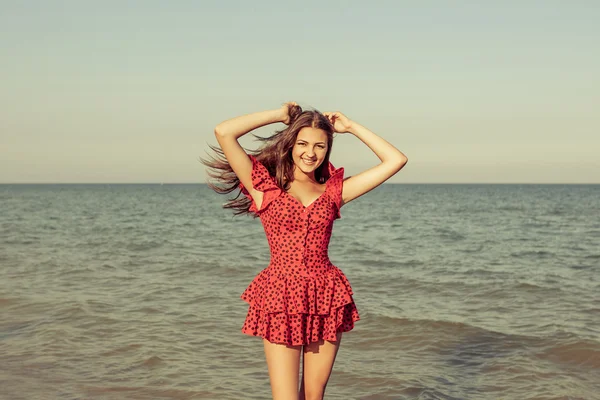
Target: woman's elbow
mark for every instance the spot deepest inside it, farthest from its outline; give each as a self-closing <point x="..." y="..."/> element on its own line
<point x="400" y="162"/>
<point x="219" y="131"/>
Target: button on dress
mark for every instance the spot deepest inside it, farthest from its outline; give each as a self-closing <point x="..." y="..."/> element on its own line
<point x="300" y="297"/>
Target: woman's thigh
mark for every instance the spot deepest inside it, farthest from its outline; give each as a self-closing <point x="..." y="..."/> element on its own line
<point x="283" y="362"/>
<point x="319" y="358"/>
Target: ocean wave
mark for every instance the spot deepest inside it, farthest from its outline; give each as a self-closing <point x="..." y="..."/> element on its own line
<point x="559" y="347"/>
<point x="533" y="253"/>
<point x="429" y="324"/>
<point x="577" y="352"/>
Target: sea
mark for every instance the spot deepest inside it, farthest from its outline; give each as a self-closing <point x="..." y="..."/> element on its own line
<point x="465" y="291"/>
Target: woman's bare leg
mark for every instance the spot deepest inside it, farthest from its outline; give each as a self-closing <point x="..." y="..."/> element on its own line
<point x="283" y="362"/>
<point x="316" y="367"/>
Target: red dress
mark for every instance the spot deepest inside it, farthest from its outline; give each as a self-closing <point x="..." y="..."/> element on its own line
<point x="301" y="297"/>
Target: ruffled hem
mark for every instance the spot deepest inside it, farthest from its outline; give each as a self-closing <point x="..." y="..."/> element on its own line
<point x="300" y="329"/>
<point x="296" y="294"/>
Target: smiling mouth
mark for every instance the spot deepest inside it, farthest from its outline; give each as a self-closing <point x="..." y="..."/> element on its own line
<point x="308" y="162"/>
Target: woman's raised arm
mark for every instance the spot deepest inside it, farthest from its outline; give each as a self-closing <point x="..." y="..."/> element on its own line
<point x="392" y="159"/>
<point x="228" y="132"/>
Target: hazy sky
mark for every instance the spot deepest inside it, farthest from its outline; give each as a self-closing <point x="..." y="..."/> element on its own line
<point x="130" y="91"/>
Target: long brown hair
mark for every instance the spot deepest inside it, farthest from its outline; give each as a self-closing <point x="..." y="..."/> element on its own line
<point x="275" y="154"/>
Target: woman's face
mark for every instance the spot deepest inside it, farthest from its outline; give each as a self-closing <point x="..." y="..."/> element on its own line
<point x="310" y="149"/>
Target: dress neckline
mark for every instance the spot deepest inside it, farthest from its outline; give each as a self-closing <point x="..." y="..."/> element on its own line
<point x="311" y="203"/>
<point x="332" y="170"/>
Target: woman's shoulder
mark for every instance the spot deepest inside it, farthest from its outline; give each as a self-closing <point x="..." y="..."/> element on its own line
<point x="261" y="178"/>
<point x="336" y="175"/>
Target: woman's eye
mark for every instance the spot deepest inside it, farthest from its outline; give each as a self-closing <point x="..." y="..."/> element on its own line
<point x="301" y="144"/>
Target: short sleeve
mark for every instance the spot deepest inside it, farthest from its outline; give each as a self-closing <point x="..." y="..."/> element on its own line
<point x="263" y="182"/>
<point x="334" y="187"/>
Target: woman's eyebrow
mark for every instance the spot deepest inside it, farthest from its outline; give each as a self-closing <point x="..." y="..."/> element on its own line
<point x="306" y="141"/>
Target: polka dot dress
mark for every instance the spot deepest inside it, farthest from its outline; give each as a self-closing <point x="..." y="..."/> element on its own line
<point x="301" y="297"/>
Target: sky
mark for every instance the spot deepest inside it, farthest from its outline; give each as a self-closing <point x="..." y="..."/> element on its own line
<point x="130" y="91"/>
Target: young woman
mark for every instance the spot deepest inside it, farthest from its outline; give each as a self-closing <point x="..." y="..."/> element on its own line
<point x="301" y="303"/>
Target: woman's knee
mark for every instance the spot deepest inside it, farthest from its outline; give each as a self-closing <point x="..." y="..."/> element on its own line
<point x="313" y="391"/>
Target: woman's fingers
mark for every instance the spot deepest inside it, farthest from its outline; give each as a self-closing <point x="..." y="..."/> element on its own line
<point x="332" y="117"/>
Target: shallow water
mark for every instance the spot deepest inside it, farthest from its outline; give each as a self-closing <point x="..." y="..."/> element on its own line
<point x="464" y="291"/>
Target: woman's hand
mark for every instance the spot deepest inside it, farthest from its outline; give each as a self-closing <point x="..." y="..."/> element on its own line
<point x="340" y="123"/>
<point x="286" y="111"/>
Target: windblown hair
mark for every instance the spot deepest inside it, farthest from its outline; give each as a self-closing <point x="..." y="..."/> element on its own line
<point x="275" y="154"/>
